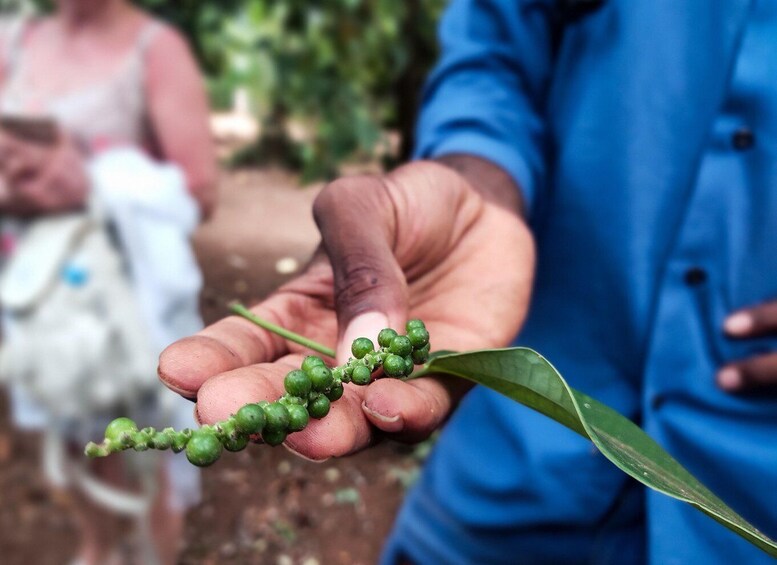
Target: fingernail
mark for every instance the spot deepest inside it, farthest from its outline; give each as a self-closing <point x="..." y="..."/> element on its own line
<point x="391" y="424"/>
<point x="729" y="378"/>
<point x="305" y="457"/>
<point x="739" y="323"/>
<point x="379" y="416"/>
<point x="364" y="325"/>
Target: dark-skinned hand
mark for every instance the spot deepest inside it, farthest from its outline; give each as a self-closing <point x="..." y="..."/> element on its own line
<point x="420" y="242"/>
<point x="758" y="371"/>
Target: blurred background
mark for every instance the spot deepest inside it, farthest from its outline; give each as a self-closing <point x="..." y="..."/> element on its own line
<point x="299" y="92"/>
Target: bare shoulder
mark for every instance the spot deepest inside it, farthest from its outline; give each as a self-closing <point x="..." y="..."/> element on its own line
<point x="169" y="61"/>
<point x="167" y="41"/>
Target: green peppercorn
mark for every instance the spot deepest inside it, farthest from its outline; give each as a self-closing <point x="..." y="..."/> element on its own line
<point x="419" y="337"/>
<point x="118" y="427"/>
<point x="336" y="392"/>
<point x="309" y="393"/>
<point x="297" y="383"/>
<point x="361" y="346"/>
<point x="276" y="418"/>
<point x="228" y="427"/>
<point x="361" y="375"/>
<point x="385" y="336"/>
<point x="274" y="437"/>
<point x="298" y="417"/>
<point x="420" y="356"/>
<point x="250" y="419"/>
<point x="178" y="442"/>
<point x="93" y="450"/>
<point x="235" y="442"/>
<point x="318" y="407"/>
<point x="203" y="448"/>
<point x="394" y="365"/>
<point x="229" y="436"/>
<point x="401" y="346"/>
<point x="311" y="361"/>
<point x="161" y="441"/>
<point x="321" y="378"/>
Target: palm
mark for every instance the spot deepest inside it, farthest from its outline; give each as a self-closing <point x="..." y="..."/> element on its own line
<point x="467" y="270"/>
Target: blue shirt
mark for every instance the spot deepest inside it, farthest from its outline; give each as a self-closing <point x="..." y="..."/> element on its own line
<point x="643" y="135"/>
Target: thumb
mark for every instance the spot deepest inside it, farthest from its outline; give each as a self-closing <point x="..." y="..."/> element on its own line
<point x="357" y="220"/>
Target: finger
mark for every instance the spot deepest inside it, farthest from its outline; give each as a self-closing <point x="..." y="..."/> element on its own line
<point x="343" y="431"/>
<point x="224" y="394"/>
<point x="412" y="410"/>
<point x="34" y="192"/>
<point x="15" y="167"/>
<point x="752" y="322"/>
<point x="24" y="160"/>
<point x="30" y="195"/>
<point x="8" y="145"/>
<point x="224" y="346"/>
<point x="756" y="372"/>
<point x="355" y="216"/>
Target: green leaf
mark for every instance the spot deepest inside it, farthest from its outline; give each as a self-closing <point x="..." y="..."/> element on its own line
<point x="525" y="376"/>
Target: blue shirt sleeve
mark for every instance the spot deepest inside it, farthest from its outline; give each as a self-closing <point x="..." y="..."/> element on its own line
<point x="486" y="95"/>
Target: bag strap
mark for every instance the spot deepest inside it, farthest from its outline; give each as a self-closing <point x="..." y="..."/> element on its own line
<point x="35" y="267"/>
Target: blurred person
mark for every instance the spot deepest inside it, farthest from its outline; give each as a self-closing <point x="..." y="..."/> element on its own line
<point x="99" y="101"/>
<point x="634" y="142"/>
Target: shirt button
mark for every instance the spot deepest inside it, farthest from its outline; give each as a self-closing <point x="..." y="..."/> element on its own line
<point x="743" y="139"/>
<point x="695" y="276"/>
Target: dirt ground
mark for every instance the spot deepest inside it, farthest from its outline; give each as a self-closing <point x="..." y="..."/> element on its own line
<point x="262" y="505"/>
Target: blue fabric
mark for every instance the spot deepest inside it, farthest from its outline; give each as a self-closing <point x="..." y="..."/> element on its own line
<point x="618" y="128"/>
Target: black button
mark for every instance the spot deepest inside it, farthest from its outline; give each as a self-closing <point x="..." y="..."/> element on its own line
<point x="695" y="276"/>
<point x="657" y="402"/>
<point x="743" y="138"/>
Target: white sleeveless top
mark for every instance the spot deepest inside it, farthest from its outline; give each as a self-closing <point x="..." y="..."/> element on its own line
<point x="111" y="112"/>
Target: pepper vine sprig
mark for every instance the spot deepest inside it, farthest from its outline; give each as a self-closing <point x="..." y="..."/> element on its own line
<point x="310" y="390"/>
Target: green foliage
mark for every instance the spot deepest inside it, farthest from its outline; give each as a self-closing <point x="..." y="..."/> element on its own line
<point x="345" y="71"/>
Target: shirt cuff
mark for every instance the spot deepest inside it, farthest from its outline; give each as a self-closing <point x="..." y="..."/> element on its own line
<point x="492" y="150"/>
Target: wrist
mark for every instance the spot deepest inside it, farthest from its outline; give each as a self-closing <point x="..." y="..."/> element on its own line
<point x="490" y="180"/>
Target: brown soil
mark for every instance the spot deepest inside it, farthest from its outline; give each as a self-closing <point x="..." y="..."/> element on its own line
<point x="262" y="505"/>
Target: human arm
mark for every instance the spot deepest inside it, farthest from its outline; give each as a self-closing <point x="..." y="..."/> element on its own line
<point x="444" y="241"/>
<point x="178" y="110"/>
<point x="419" y="242"/>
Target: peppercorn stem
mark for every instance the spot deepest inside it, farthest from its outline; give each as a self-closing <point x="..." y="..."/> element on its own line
<point x="241" y="310"/>
<point x="310" y="391"/>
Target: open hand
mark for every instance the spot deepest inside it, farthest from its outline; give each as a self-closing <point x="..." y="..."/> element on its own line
<point x="420" y="242"/>
<point x="758" y="371"/>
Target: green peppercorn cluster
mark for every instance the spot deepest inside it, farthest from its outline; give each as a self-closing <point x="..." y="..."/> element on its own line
<point x="310" y="390"/>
